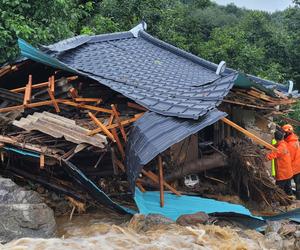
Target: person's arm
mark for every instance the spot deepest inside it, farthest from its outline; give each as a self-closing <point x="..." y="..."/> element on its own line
<point x="274" y="155"/>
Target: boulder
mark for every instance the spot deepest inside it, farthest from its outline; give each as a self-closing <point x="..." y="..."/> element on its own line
<point x="23" y="213"/>
<point x="193" y="219"/>
<point x="140" y="222"/>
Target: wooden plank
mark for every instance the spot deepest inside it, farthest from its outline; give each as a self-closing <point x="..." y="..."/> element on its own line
<point x="250" y="135"/>
<point x="42" y="161"/>
<point x="136" y="106"/>
<point x="119" y="144"/>
<point x="53" y="100"/>
<point x="102" y="126"/>
<point x="161" y="181"/>
<point x="124" y="123"/>
<point x="31" y="147"/>
<point x="154" y="178"/>
<point x="40" y="85"/>
<point x="116" y="115"/>
<point x="27" y="95"/>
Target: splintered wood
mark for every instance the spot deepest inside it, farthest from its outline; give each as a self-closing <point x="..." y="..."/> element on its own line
<point x="258" y="99"/>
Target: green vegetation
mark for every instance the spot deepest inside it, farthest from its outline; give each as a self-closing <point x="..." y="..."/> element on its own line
<point x="260" y="43"/>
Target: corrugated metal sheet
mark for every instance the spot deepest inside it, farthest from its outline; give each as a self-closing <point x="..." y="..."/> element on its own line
<point x="58" y="127"/>
<point x="154" y="133"/>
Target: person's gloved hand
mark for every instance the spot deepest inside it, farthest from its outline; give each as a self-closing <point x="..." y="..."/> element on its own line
<point x="268" y="157"/>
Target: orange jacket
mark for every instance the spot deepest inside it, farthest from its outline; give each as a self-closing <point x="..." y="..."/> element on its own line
<point x="283" y="161"/>
<point x="294" y="148"/>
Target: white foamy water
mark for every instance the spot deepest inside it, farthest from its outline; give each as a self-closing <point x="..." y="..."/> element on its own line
<point x="111" y="231"/>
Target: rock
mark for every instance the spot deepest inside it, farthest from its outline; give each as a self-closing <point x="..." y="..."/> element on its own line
<point x="273" y="241"/>
<point x="297" y="234"/>
<point x="273" y="226"/>
<point x="140" y="222"/>
<point x="289" y="244"/>
<point x="23" y="214"/>
<point x="287" y="230"/>
<point x="192" y="219"/>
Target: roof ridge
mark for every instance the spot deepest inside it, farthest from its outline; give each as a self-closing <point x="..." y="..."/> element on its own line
<point x="196" y="59"/>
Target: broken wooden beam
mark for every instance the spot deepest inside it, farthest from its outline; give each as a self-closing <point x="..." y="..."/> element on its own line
<point x="119" y="144"/>
<point x="102" y="126"/>
<point x="116" y="115"/>
<point x="124" y="123"/>
<point x="27" y="95"/>
<point x="249" y="134"/>
<point x="54" y="102"/>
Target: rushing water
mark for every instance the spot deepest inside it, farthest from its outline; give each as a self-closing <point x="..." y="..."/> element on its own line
<point x="104" y="230"/>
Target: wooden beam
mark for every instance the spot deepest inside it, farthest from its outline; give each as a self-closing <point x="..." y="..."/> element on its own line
<point x="250" y="135"/>
<point x="74" y="93"/>
<point x="40" y="85"/>
<point x="120" y="165"/>
<point x="80" y="99"/>
<point x="161" y="181"/>
<point x="52" y="82"/>
<point x="136" y="106"/>
<point x="53" y="100"/>
<point x="119" y="144"/>
<point x="27" y="95"/>
<point x="102" y="126"/>
<point x="111" y="119"/>
<point x="140" y="186"/>
<point x="155" y="179"/>
<point x="246" y="105"/>
<point x="124" y="123"/>
<point x="116" y="115"/>
<point x="84" y="106"/>
<point x="42" y="161"/>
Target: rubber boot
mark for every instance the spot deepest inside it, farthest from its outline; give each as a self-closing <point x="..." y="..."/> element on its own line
<point x="298" y="195"/>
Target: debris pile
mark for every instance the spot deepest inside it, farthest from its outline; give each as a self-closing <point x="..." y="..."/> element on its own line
<point x="249" y="176"/>
<point x="62" y="121"/>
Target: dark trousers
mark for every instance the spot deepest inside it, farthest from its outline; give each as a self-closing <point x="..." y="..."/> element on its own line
<point x="285" y="185"/>
<point x="297" y="182"/>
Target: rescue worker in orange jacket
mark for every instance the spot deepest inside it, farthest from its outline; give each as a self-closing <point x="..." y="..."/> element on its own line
<point x="294" y="147"/>
<point x="284" y="172"/>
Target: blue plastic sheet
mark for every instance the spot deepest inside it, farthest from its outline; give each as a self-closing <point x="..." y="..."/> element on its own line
<point x="175" y="206"/>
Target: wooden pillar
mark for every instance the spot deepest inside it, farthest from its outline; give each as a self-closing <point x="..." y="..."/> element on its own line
<point x="161" y="181"/>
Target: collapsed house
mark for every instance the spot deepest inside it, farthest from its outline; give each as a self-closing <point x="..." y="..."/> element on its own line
<point x="95" y="117"/>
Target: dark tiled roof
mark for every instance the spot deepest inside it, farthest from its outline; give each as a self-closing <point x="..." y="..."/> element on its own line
<point x="154" y="133"/>
<point x="156" y="75"/>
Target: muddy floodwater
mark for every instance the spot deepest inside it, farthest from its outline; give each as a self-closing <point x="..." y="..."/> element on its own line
<point x="105" y="230"/>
